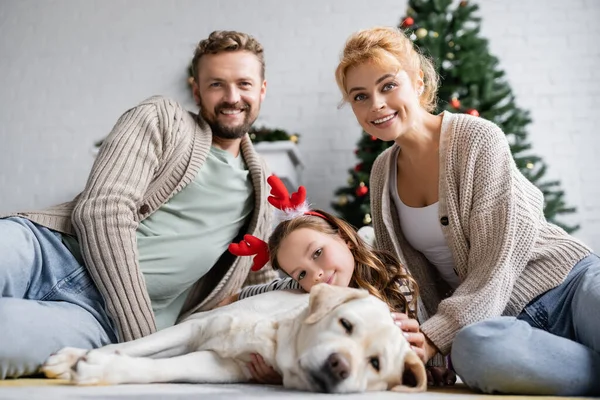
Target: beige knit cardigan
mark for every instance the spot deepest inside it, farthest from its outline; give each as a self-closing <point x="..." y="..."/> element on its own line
<point x="154" y="151"/>
<point x="505" y="251"/>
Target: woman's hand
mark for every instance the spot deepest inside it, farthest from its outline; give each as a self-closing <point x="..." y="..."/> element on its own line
<point x="263" y="373"/>
<point x="410" y="330"/>
<point x="229" y="300"/>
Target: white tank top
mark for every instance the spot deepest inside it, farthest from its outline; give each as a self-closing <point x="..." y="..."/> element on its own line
<point x="421" y="228"/>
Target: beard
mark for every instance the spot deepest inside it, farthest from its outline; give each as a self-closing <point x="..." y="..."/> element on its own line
<point x="229" y="132"/>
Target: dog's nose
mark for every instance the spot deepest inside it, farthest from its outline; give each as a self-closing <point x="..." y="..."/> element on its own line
<point x="338" y="366"/>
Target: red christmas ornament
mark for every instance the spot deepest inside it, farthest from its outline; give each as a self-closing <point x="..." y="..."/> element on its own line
<point x="373" y="138"/>
<point x="358" y="167"/>
<point x="408" y="22"/>
<point x="455" y="103"/>
<point x="362" y="190"/>
<point x="473" y="112"/>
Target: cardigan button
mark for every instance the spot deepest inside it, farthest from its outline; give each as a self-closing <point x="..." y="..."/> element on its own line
<point x="144" y="209"/>
<point x="444" y="221"/>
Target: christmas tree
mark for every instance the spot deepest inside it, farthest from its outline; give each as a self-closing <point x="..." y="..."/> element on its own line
<point x="471" y="82"/>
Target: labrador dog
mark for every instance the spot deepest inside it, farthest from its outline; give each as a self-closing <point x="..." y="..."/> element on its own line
<point x="333" y="340"/>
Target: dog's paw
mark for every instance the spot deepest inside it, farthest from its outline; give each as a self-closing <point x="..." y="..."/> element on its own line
<point x="101" y="368"/>
<point x="59" y="365"/>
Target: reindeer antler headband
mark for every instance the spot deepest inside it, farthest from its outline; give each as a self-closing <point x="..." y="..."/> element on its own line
<point x="291" y="207"/>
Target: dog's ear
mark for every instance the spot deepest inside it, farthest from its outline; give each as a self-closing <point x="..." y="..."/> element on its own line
<point x="414" y="378"/>
<point x="324" y="298"/>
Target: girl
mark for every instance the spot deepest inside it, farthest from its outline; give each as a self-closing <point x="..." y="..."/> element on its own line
<point x="510" y="294"/>
<point x="313" y="246"/>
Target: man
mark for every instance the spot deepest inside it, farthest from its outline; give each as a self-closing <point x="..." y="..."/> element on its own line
<point x="145" y="244"/>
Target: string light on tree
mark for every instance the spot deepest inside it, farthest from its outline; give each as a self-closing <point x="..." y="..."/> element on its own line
<point x="367" y="219"/>
<point x="421" y="33"/>
<point x="342" y="200"/>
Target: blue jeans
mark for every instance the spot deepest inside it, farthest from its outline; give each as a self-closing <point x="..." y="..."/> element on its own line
<point x="47" y="299"/>
<point x="551" y="348"/>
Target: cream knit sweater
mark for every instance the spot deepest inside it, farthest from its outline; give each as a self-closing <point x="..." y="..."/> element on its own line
<point x="154" y="150"/>
<point x="505" y="251"/>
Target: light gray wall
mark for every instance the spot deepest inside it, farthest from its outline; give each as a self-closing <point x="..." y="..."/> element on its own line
<point x="69" y="68"/>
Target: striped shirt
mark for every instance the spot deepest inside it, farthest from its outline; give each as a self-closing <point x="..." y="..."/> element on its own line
<point x="277" y="284"/>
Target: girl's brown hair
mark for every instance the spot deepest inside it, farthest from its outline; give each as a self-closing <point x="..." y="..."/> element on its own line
<point x="377" y="271"/>
<point x="377" y="45"/>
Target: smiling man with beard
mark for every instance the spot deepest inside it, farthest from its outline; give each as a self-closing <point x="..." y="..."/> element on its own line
<point x="144" y="245"/>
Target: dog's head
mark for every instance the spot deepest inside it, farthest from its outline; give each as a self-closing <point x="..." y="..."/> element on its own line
<point x="349" y="343"/>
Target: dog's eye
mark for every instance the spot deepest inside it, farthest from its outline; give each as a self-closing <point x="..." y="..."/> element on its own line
<point x="346" y="324"/>
<point x="374" y="361"/>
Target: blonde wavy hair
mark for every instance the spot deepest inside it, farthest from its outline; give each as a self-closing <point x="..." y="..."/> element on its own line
<point x="377" y="271"/>
<point x="221" y="41"/>
<point x="377" y="45"/>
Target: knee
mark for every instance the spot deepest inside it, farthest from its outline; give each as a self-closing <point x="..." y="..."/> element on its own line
<point x="479" y="352"/>
<point x="16" y="246"/>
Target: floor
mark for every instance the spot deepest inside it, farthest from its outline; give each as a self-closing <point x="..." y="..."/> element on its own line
<point x="38" y="389"/>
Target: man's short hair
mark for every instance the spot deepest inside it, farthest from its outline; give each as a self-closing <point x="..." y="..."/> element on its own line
<point x="220" y="41"/>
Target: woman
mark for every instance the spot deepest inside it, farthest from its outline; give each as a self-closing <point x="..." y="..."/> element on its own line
<point x="510" y="294"/>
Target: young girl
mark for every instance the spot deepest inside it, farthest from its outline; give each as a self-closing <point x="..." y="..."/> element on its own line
<point x="313" y="246"/>
<point x="512" y="295"/>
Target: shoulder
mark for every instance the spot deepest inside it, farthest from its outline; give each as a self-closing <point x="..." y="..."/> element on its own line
<point x="161" y="102"/>
<point x="468" y="128"/>
<point x="469" y="138"/>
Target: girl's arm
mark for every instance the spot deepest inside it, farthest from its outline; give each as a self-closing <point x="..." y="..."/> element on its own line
<point x="277" y="284"/>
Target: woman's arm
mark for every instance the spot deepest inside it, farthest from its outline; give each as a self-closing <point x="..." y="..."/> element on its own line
<point x="503" y="225"/>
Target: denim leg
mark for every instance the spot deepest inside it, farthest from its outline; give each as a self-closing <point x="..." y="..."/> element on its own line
<point x="47" y="299"/>
<point x="550" y="349"/>
<point x="32" y="330"/>
<point x="507" y="355"/>
<point x="586" y="308"/>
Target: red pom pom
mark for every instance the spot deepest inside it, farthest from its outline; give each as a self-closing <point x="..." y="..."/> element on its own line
<point x="473" y="112"/>
<point x="408" y="22"/>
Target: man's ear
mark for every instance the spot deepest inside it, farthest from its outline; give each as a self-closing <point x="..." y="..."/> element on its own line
<point x="324" y="298"/>
<point x="196" y="92"/>
<point x="263" y="90"/>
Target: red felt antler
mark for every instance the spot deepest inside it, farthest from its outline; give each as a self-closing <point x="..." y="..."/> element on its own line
<point x="249" y="246"/>
<point x="280" y="197"/>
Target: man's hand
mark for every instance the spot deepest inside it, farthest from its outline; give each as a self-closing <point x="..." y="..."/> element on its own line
<point x="263" y="373"/>
<point x="410" y="330"/>
<point x="229" y="300"/>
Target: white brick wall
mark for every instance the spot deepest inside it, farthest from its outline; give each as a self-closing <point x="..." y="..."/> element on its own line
<point x="68" y="69"/>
